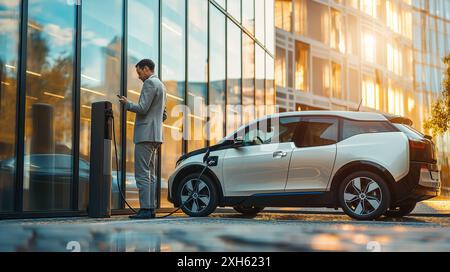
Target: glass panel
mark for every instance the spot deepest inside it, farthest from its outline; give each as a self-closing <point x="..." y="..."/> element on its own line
<point x="270" y="26"/>
<point x="336" y="81"/>
<point x="248" y="17"/>
<point x="100" y="78"/>
<point x="173" y="75"/>
<point x="217" y="75"/>
<point x="197" y="73"/>
<point x="259" y="83"/>
<point x="259" y="21"/>
<point x="321" y="76"/>
<point x="283" y="14"/>
<point x="9" y="45"/>
<point x="143" y="43"/>
<point x="280" y="64"/>
<point x="221" y="2"/>
<point x="234" y="77"/>
<point x="317" y="132"/>
<point x="48" y="123"/>
<point x="319" y="24"/>
<point x="248" y="83"/>
<point x="234" y="8"/>
<point x="301" y="66"/>
<point x="270" y="85"/>
<point x="301" y="17"/>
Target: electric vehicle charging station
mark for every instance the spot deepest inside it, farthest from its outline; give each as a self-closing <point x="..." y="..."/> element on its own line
<point x="100" y="172"/>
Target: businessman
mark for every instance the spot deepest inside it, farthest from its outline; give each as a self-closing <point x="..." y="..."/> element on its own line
<point x="148" y="135"/>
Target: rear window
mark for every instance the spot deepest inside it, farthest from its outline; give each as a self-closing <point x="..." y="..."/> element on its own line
<point x="354" y="127"/>
<point x="410" y="132"/>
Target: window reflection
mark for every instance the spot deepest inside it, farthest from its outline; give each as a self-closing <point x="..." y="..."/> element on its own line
<point x="197" y="73"/>
<point x="173" y="75"/>
<point x="233" y="77"/>
<point x="270" y="85"/>
<point x="248" y="82"/>
<point x="248" y="17"/>
<point x="48" y="125"/>
<point x="259" y="82"/>
<point x="143" y="43"/>
<point x="100" y="77"/>
<point x="217" y="75"/>
<point x="9" y="40"/>
<point x="234" y="8"/>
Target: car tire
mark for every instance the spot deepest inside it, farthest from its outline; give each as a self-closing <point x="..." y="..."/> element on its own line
<point x="197" y="197"/>
<point x="400" y="211"/>
<point x="364" y="195"/>
<point x="251" y="211"/>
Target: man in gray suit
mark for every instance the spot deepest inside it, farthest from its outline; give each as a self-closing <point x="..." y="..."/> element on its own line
<point x="148" y="135"/>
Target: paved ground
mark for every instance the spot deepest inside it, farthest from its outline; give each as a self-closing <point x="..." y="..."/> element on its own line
<point x="275" y="230"/>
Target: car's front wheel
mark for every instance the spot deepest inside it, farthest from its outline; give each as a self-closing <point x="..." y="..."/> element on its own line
<point x="197" y="196"/>
<point x="364" y="195"/>
<point x="402" y="210"/>
<point x="250" y="210"/>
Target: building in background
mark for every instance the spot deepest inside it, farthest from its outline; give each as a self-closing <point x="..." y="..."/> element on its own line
<point x="385" y="54"/>
<point x="57" y="57"/>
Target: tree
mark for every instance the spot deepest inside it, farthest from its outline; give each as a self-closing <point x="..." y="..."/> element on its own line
<point x="439" y="122"/>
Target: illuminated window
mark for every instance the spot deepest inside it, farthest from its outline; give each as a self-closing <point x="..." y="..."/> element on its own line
<point x="336" y="81"/>
<point x="337" y="39"/>
<point x="370" y="93"/>
<point x="395" y="100"/>
<point x="280" y="67"/>
<point x="369" y="47"/>
<point x="321" y="76"/>
<point x="301" y="66"/>
<point x="283" y="14"/>
<point x="301" y="17"/>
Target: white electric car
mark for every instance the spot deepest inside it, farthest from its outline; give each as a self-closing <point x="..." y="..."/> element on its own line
<point x="368" y="164"/>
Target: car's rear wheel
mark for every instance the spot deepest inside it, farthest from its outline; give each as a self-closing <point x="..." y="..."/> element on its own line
<point x="364" y="195"/>
<point x="197" y="196"/>
<point x="248" y="210"/>
<point x="400" y="211"/>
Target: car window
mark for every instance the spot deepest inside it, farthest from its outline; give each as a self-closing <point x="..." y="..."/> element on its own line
<point x="354" y="127"/>
<point x="317" y="131"/>
<point x="268" y="131"/>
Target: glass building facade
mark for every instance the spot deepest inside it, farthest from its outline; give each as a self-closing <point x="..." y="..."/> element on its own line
<point x="385" y="54"/>
<point x="216" y="59"/>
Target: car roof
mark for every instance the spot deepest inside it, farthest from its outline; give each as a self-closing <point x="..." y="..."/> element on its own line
<point x="355" y="115"/>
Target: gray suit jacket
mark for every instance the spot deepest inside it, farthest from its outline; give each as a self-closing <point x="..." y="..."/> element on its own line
<point x="149" y="111"/>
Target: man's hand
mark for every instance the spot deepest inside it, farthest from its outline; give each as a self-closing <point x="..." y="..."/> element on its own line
<point x="123" y="100"/>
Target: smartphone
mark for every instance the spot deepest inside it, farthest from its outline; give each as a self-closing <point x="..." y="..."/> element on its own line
<point x="119" y="96"/>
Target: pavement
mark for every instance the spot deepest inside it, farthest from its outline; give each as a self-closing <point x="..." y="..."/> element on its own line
<point x="426" y="229"/>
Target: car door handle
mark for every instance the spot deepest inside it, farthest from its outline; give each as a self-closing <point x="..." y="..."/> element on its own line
<point x="279" y="154"/>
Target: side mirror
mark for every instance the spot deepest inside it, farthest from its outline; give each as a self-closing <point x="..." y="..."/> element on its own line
<point x="238" y="142"/>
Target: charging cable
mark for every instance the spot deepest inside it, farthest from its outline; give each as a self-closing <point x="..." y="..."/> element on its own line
<point x="206" y="161"/>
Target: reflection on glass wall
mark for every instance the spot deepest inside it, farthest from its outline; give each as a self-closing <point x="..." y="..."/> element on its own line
<point x="48" y="125"/>
<point x="248" y="15"/>
<point x="233" y="77"/>
<point x="197" y="73"/>
<point x="270" y="22"/>
<point x="260" y="21"/>
<point x="270" y="85"/>
<point x="259" y="81"/>
<point x="174" y="77"/>
<point x="248" y="81"/>
<point x="143" y="43"/>
<point x="100" y="77"/>
<point x="217" y="75"/>
<point x="9" y="44"/>
<point x="234" y="8"/>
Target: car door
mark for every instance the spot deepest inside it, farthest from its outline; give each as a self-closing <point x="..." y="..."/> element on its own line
<point x="314" y="154"/>
<point x="261" y="165"/>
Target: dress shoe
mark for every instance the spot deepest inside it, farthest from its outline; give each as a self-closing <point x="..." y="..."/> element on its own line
<point x="144" y="214"/>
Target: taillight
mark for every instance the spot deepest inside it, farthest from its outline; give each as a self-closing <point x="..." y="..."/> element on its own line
<point x="417" y="145"/>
